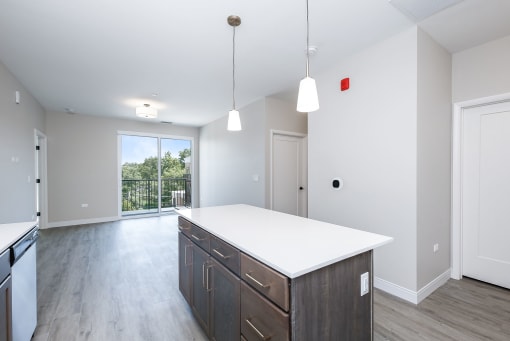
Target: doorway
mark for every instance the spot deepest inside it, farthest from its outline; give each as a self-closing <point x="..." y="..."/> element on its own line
<point x="481" y="187"/>
<point x="289" y="176"/>
<point x="155" y="173"/>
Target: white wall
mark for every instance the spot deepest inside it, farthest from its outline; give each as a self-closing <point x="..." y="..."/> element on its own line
<point x="388" y="138"/>
<point x="281" y="115"/>
<point x="83" y="164"/>
<point x="482" y="71"/>
<point x="368" y="137"/>
<point x="17" y="124"/>
<point x="229" y="160"/>
<point x="434" y="159"/>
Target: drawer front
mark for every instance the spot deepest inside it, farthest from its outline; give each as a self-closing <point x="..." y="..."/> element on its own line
<point x="201" y="237"/>
<point x="226" y="254"/>
<point x="5" y="265"/>
<point x="185" y="226"/>
<point x="265" y="280"/>
<point x="261" y="319"/>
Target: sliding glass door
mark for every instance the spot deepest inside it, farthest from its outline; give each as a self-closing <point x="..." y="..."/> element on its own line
<point x="175" y="170"/>
<point x="156" y="174"/>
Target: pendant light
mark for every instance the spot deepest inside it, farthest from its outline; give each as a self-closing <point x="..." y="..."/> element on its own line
<point x="234" y="122"/>
<point x="308" y="100"/>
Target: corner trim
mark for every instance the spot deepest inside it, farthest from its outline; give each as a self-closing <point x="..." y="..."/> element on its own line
<point x="81" y="222"/>
<point x="414" y="297"/>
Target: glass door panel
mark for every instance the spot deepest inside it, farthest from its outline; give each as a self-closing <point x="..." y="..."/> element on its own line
<point x="175" y="182"/>
<point x="139" y="174"/>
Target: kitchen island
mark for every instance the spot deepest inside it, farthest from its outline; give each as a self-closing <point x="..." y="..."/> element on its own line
<point x="253" y="274"/>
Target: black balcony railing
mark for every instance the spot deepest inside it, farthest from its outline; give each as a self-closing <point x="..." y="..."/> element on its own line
<point x="142" y="195"/>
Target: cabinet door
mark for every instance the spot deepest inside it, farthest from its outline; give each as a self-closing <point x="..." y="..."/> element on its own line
<point x="5" y="311"/>
<point x="200" y="288"/>
<point x="225" y="304"/>
<point x="185" y="266"/>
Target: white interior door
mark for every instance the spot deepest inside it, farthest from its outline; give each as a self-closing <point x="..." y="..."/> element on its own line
<point x="289" y="176"/>
<point x="486" y="193"/>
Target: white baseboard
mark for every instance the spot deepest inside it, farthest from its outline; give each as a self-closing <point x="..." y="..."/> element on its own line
<point x="80" y="222"/>
<point x="414" y="297"/>
<point x="433" y="285"/>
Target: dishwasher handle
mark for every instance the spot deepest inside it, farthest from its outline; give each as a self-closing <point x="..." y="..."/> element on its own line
<point x="22" y="245"/>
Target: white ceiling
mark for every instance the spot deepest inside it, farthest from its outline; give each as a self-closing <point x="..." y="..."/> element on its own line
<point x="107" y="57"/>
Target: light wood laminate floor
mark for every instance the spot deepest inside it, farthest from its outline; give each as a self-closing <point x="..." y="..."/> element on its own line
<point x="118" y="281"/>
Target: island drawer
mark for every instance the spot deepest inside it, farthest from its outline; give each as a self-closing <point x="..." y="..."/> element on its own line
<point x="226" y="254"/>
<point x="261" y="319"/>
<point x="201" y="237"/>
<point x="5" y="265"/>
<point x="265" y="280"/>
<point x="185" y="226"/>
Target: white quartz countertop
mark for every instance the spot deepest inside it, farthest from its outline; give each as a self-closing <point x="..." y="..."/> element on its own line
<point x="10" y="233"/>
<point x="289" y="244"/>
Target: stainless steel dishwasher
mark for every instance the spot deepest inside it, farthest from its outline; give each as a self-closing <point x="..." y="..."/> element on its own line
<point x="24" y="286"/>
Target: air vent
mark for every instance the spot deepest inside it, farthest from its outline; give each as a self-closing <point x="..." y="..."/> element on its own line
<point x="418" y="10"/>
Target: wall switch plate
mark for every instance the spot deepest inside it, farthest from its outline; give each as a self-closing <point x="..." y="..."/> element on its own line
<point x="84" y="205"/>
<point x="436" y="247"/>
<point x="365" y="284"/>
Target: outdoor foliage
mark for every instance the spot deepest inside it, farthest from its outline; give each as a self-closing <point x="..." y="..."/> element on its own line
<point x="140" y="185"/>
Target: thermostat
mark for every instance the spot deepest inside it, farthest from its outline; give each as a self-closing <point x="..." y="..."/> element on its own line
<point x="337" y="183"/>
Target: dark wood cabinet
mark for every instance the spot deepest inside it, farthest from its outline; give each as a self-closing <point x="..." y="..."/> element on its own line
<point x="5" y="298"/>
<point x="212" y="291"/>
<point x="185" y="266"/>
<point x="225" y="305"/>
<point x="261" y="319"/>
<point x="236" y="297"/>
<point x="200" y="302"/>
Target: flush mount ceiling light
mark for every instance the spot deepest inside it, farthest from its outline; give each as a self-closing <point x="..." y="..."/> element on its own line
<point x="146" y="111"/>
<point x="234" y="121"/>
<point x="308" y="100"/>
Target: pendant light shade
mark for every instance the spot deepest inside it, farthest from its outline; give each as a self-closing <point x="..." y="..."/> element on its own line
<point x="308" y="100"/>
<point x="234" y="121"/>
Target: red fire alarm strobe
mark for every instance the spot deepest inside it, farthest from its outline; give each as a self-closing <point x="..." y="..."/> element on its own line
<point x="344" y="84"/>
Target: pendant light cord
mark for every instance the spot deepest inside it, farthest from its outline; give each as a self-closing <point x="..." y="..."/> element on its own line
<point x="233" y="69"/>
<point x="307" y="42"/>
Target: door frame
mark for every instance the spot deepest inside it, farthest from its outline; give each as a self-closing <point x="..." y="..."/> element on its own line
<point x="41" y="172"/>
<point x="194" y="177"/>
<point x="274" y="132"/>
<point x="457" y="148"/>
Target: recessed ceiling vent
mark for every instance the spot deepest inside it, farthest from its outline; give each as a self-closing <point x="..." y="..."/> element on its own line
<point x="418" y="10"/>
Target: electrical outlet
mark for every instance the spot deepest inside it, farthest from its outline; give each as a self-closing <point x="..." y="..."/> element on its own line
<point x="436" y="247"/>
<point x="365" y="284"/>
<point x="84" y="205"/>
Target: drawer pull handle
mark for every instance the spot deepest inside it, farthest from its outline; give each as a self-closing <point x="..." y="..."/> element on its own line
<point x="220" y="254"/>
<point x="203" y="275"/>
<point x="196" y="238"/>
<point x="257" y="282"/>
<point x="207" y="278"/>
<point x="186" y="255"/>
<point x="262" y="336"/>
<point x="184" y="227"/>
